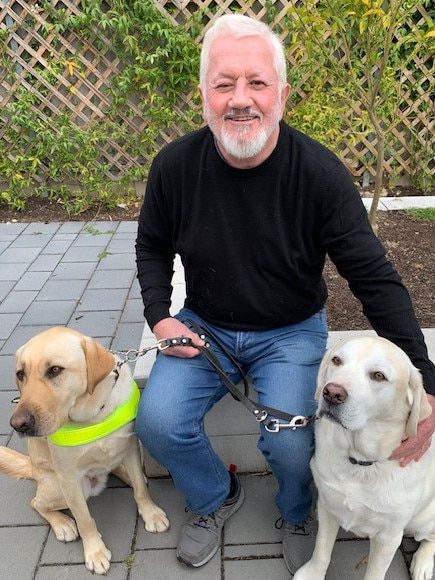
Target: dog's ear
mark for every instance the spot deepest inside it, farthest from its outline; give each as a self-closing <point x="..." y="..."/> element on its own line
<point x="420" y="406"/>
<point x="99" y="362"/>
<point x="321" y="375"/>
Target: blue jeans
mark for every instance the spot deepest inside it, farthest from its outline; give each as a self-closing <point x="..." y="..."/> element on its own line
<point x="283" y="365"/>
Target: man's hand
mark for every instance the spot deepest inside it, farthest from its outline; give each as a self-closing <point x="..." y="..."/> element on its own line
<point x="413" y="448"/>
<point x="173" y="328"/>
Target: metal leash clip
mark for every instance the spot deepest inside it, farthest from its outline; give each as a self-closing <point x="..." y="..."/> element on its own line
<point x="132" y="355"/>
<point x="274" y="426"/>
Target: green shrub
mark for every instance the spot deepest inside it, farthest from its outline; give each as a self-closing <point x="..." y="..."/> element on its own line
<point x="51" y="155"/>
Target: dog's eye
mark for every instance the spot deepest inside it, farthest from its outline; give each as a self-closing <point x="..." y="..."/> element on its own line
<point x="378" y="376"/>
<point x="54" y="371"/>
<point x="336" y="360"/>
<point x="19" y="375"/>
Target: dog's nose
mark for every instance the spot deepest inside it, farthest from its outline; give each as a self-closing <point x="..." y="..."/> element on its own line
<point x="23" y="422"/>
<point x="334" y="394"/>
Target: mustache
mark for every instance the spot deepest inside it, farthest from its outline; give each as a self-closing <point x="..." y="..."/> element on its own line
<point x="237" y="113"/>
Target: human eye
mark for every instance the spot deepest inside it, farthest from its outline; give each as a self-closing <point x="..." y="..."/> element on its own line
<point x="223" y="86"/>
<point x="258" y="84"/>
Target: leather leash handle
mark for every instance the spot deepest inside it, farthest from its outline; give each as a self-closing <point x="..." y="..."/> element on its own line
<point x="260" y="413"/>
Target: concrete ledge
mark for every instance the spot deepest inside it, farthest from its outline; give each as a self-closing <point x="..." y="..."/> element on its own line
<point x="397" y="203"/>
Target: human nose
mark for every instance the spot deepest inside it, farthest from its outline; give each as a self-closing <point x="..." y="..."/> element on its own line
<point x="240" y="99"/>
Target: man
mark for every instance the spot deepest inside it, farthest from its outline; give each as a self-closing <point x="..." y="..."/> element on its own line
<point x="252" y="206"/>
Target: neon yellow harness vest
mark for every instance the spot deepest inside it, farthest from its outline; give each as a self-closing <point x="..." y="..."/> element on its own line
<point x="70" y="435"/>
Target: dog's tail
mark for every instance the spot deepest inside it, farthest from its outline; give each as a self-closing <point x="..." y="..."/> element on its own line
<point x="15" y="464"/>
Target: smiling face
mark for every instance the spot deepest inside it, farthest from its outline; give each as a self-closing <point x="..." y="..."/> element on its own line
<point x="243" y="100"/>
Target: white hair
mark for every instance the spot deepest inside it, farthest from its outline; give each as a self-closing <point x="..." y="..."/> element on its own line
<point x="238" y="25"/>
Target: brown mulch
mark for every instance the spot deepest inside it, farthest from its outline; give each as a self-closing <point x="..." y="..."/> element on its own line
<point x="45" y="210"/>
<point x="409" y="243"/>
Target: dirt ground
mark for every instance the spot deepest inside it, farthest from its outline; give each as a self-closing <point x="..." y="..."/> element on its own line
<point x="409" y="243"/>
<point x="410" y="247"/>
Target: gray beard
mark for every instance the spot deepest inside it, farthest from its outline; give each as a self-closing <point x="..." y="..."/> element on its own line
<point x="236" y="145"/>
<point x="245" y="149"/>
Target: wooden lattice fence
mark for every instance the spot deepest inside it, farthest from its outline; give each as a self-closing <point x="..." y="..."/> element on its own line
<point x="72" y="76"/>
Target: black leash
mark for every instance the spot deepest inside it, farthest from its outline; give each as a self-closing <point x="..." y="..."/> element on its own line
<point x="261" y="413"/>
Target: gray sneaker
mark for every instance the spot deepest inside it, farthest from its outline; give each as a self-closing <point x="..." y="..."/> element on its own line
<point x="201" y="535"/>
<point x="298" y="542"/>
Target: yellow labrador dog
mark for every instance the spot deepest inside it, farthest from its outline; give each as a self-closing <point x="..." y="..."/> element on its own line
<point x="370" y="398"/>
<point x="77" y="407"/>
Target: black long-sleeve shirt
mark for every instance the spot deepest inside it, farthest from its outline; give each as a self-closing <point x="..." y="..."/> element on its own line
<point x="253" y="242"/>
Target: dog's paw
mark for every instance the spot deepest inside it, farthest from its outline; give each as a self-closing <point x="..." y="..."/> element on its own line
<point x="64" y="528"/>
<point x="309" y="572"/>
<point x="422" y="565"/>
<point x="155" y="520"/>
<point x="97" y="561"/>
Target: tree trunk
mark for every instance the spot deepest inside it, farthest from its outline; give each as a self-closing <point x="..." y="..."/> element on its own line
<point x="380" y="152"/>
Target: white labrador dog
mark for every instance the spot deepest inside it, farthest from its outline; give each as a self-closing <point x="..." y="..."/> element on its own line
<point x="76" y="408"/>
<point x="370" y="397"/>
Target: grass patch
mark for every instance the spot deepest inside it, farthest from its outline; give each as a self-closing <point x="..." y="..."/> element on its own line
<point x="129" y="561"/>
<point x="94" y="232"/>
<point x="421" y="213"/>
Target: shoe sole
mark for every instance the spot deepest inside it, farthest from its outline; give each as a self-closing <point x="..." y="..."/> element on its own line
<point x="199" y="564"/>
